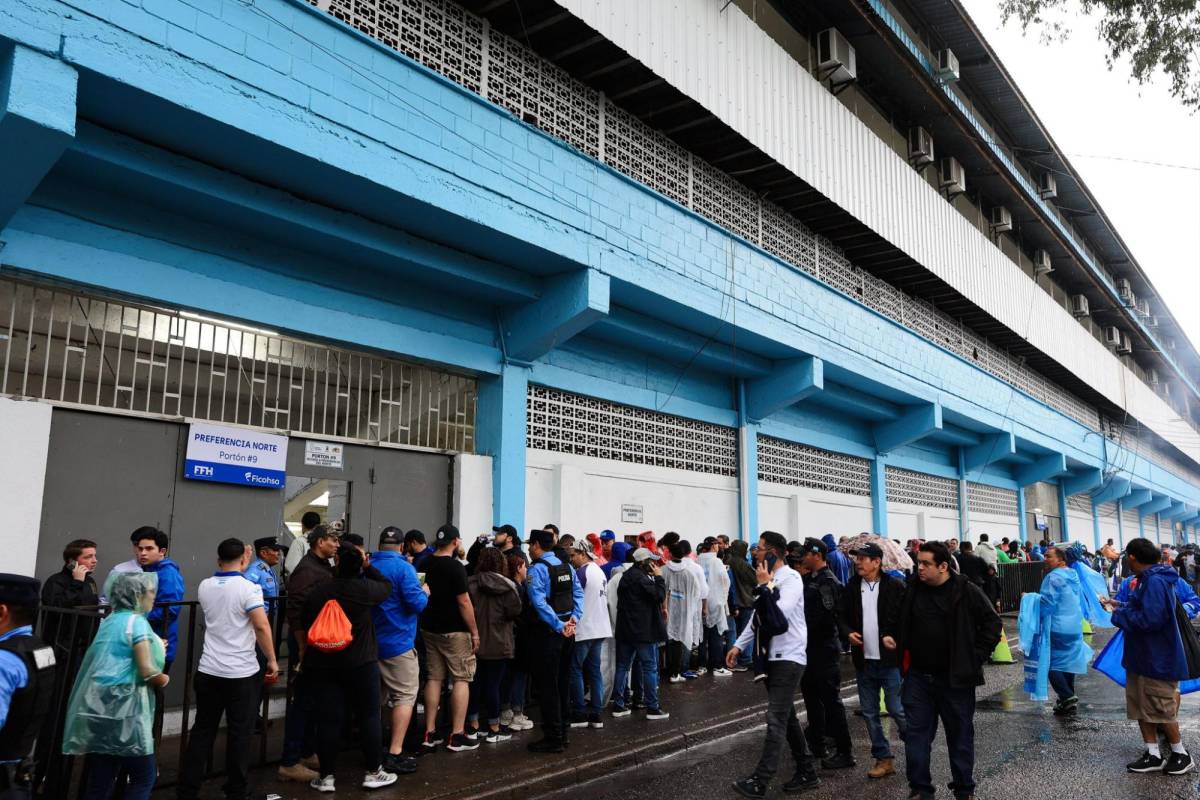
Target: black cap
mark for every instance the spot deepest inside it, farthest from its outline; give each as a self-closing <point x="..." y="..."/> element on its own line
<point x="19" y="590"/>
<point x="507" y="530"/>
<point x="267" y="541"/>
<point x="391" y="535"/>
<point x="445" y="535"/>
<point x="352" y="539"/>
<point x="869" y="549"/>
<point x="812" y="545"/>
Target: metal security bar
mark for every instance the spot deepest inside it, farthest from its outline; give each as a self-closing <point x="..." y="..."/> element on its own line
<point x="79" y="350"/>
<point x="921" y="489"/>
<point x="792" y="464"/>
<point x="562" y="422"/>
<point x="984" y="499"/>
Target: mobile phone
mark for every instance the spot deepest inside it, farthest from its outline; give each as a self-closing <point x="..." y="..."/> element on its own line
<point x="71" y="565"/>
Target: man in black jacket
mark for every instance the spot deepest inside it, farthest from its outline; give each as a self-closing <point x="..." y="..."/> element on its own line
<point x="71" y="587"/>
<point x="948" y="629"/>
<point x="641" y="593"/>
<point x="821" y="683"/>
<point x="871" y="612"/>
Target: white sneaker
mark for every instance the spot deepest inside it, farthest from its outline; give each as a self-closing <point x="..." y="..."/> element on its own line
<point x="702" y="671"/>
<point x="375" y="780"/>
<point x="676" y="679"/>
<point x="506" y="718"/>
<point x="721" y="672"/>
<point x="322" y="784"/>
<point x="520" y="722"/>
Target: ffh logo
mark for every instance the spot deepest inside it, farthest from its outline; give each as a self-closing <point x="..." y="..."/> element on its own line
<point x="200" y="469"/>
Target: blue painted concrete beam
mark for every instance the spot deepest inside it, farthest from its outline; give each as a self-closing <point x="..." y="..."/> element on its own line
<point x="500" y="433"/>
<point x="1137" y="498"/>
<point x="1155" y="506"/>
<point x="879" y="520"/>
<point x="1115" y="489"/>
<point x="568" y="306"/>
<point x="1175" y="512"/>
<point x="676" y="344"/>
<point x="855" y="403"/>
<point x="912" y="426"/>
<point x="790" y="382"/>
<point x="1081" y="481"/>
<point x="37" y="122"/>
<point x="991" y="448"/>
<point x="1046" y="467"/>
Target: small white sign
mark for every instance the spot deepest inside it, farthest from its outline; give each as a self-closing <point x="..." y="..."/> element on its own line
<point x="323" y="454"/>
<point x="235" y="455"/>
<point x="631" y="514"/>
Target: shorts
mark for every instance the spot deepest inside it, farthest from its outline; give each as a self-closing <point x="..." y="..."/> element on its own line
<point x="401" y="677"/>
<point x="449" y="655"/>
<point x="1151" y="700"/>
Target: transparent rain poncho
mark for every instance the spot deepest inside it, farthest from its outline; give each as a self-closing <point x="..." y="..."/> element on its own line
<point x="111" y="710"/>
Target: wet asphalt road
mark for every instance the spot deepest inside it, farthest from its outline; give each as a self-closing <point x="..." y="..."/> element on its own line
<point x="1023" y="752"/>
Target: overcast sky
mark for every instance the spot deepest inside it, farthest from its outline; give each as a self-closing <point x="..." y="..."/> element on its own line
<point x="1093" y="112"/>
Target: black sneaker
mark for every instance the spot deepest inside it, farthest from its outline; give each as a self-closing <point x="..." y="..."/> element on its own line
<point x="595" y="722"/>
<point x="459" y="742"/>
<point x="1147" y="763"/>
<point x="578" y="721"/>
<point x="430" y="743"/>
<point x="638" y="705"/>
<point x="1068" y="706"/>
<point x="750" y="787"/>
<point x="399" y="764"/>
<point x="656" y="713"/>
<point x="1179" y="764"/>
<point x="621" y="711"/>
<point x="838" y="761"/>
<point x="502" y="735"/>
<point x="802" y="781"/>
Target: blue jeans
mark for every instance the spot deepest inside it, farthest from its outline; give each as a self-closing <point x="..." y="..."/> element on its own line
<point x="103" y="771"/>
<point x="871" y="680"/>
<point x="647" y="656"/>
<point x="300" y="723"/>
<point x="587" y="658"/>
<point x="1063" y="683"/>
<point x="928" y="698"/>
<point x="746" y="658"/>
<point x="731" y="633"/>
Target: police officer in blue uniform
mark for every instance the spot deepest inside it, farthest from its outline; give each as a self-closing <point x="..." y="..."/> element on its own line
<point x="261" y="570"/>
<point x="26" y="684"/>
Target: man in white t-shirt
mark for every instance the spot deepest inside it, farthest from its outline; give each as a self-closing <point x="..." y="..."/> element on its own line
<point x="593" y="628"/>
<point x="228" y="682"/>
<point x="871" y="611"/>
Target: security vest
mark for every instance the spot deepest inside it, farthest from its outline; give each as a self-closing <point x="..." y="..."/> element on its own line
<point x="561" y="597"/>
<point x="30" y="705"/>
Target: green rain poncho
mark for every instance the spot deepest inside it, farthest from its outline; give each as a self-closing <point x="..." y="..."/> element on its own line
<point x="111" y="710"/>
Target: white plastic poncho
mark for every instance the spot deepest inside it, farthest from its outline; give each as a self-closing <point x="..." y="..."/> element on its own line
<point x="717" y="575"/>
<point x="684" y="623"/>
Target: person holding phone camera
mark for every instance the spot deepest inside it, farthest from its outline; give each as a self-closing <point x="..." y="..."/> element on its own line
<point x="71" y="587"/>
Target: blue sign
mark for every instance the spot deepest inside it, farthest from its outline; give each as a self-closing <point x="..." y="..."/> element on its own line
<point x="235" y="455"/>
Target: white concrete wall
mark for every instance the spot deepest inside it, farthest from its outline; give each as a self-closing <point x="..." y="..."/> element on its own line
<point x="1109" y="529"/>
<point x="473" y="495"/>
<point x="1079" y="527"/>
<point x="995" y="526"/>
<point x="582" y="495"/>
<point x="909" y="522"/>
<point x="25" y="442"/>
<point x="797" y="511"/>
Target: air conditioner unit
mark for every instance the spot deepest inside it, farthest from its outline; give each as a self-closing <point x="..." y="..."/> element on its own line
<point x="1170" y="345"/>
<point x="947" y="66"/>
<point x="1125" y="290"/>
<point x="1041" y="263"/>
<point x="1152" y="378"/>
<point x="835" y="57"/>
<point x="1001" y="219"/>
<point x="1112" y="336"/>
<point x="1152" y="322"/>
<point x="951" y="176"/>
<point x="920" y="146"/>
<point x="1143" y="307"/>
<point x="1079" y="305"/>
<point x="1126" y="346"/>
<point x="1047" y="186"/>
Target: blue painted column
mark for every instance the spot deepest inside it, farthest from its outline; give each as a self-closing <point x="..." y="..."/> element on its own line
<point x="500" y="433"/>
<point x="1062" y="511"/>
<point x="1022" y="525"/>
<point x="879" y="524"/>
<point x="1141" y="525"/>
<point x="747" y="471"/>
<point x="1120" y="526"/>
<point x="1095" y="527"/>
<point x="964" y="500"/>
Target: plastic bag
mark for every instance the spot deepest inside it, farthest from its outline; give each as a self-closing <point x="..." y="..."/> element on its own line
<point x="331" y="630"/>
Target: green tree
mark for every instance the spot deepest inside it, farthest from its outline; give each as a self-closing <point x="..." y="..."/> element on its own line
<point x="1152" y="34"/>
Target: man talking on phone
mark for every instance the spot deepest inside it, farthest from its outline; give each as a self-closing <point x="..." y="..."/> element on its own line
<point x="786" y="657"/>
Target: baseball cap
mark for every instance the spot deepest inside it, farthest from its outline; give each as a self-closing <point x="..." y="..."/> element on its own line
<point x="321" y="532"/>
<point x="391" y="535"/>
<point x="19" y="590"/>
<point x="445" y="535"/>
<point x="869" y="549"/>
<point x="584" y="548"/>
<point x="607" y="536"/>
<point x="352" y="539"/>
<point x="812" y="545"/>
<point x="644" y="554"/>
<point x="507" y="530"/>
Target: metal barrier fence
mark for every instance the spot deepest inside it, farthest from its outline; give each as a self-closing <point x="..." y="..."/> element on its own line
<point x="1016" y="580"/>
<point x="71" y="631"/>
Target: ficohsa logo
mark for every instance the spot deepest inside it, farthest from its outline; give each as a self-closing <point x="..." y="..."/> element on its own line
<point x="263" y="480"/>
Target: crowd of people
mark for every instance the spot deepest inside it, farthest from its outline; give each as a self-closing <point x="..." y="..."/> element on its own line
<point x="449" y="643"/>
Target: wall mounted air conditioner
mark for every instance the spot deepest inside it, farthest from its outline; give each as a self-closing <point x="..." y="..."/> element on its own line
<point x="1143" y="307"/>
<point x="1126" y="346"/>
<point x="1001" y="219"/>
<point x="1047" y="186"/>
<point x="1079" y="305"/>
<point x="947" y="66"/>
<point x="1152" y="322"/>
<point x="1152" y="378"/>
<point x="1112" y="336"/>
<point x="951" y="176"/>
<point x="1041" y="263"/>
<point x="835" y="57"/>
<point x="920" y="146"/>
<point x="1125" y="290"/>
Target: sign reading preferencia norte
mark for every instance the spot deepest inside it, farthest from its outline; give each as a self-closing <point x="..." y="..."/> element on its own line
<point x="235" y="455"/>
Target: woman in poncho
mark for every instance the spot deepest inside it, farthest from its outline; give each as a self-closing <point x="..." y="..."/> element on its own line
<point x="110" y="714"/>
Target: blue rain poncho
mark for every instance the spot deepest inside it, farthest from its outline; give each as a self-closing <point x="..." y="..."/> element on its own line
<point x="1092" y="586"/>
<point x="1051" y="631"/>
<point x="1109" y="661"/>
<point x="111" y="710"/>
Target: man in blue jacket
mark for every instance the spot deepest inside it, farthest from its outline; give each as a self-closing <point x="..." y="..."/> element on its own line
<point x="1154" y="658"/>
<point x="151" y="551"/>
<point x="556" y="601"/>
<point x="396" y="631"/>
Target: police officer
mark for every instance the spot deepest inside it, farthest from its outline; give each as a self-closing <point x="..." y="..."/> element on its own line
<point x="26" y="684"/>
<point x="261" y="571"/>
<point x="556" y="605"/>
<point x="821" y="682"/>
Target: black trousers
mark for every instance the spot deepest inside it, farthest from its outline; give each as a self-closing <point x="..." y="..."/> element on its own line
<point x="355" y="690"/>
<point x="552" y="656"/>
<point x="782" y="725"/>
<point x="236" y="699"/>
<point x="821" y="688"/>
